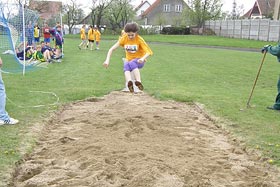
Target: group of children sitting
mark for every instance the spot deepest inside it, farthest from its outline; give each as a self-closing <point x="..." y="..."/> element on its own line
<point x="42" y="52"/>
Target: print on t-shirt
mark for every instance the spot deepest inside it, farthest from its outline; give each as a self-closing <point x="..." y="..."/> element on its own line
<point x="131" y="48"/>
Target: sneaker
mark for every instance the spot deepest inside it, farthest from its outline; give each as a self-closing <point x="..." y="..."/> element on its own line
<point x="125" y="89"/>
<point x="130" y="86"/>
<point x="10" y="121"/>
<point x="79" y="47"/>
<point x="272" y="108"/>
<point x="139" y="85"/>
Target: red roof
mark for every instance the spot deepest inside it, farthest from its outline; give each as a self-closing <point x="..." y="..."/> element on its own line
<point x="261" y="7"/>
<point x="142" y="3"/>
<point x="155" y="4"/>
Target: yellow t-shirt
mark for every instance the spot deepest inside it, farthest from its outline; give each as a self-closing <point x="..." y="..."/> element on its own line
<point x="36" y="32"/>
<point x="91" y="34"/>
<point x="134" y="48"/>
<point x="97" y="35"/>
<point x="83" y="33"/>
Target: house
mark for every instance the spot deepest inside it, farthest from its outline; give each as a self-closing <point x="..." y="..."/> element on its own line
<point x="140" y="9"/>
<point x="261" y="9"/>
<point x="165" y="12"/>
<point x="47" y="9"/>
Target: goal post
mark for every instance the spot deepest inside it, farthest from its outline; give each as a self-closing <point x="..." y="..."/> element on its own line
<point x="13" y="34"/>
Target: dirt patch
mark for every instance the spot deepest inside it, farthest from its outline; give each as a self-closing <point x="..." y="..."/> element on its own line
<point x="135" y="140"/>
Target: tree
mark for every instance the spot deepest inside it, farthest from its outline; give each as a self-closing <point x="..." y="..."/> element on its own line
<point x="8" y="7"/>
<point x="93" y="10"/>
<point x="202" y="10"/>
<point x="237" y="11"/>
<point x="73" y="12"/>
<point x="4" y="8"/>
<point x="97" y="10"/>
<point x="119" y="13"/>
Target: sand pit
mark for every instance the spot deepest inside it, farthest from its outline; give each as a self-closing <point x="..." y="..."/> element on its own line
<point x="134" y="140"/>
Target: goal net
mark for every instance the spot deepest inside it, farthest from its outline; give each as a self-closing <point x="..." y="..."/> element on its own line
<point x="14" y="20"/>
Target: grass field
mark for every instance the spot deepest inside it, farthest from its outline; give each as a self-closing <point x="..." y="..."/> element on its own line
<point x="219" y="79"/>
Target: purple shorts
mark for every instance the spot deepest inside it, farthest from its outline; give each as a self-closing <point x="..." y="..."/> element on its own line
<point x="133" y="64"/>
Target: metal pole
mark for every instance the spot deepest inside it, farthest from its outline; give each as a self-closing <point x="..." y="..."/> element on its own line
<point x="23" y="34"/>
<point x="248" y="102"/>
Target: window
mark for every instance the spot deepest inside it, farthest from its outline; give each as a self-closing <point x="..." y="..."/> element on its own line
<point x="178" y="8"/>
<point x="166" y="8"/>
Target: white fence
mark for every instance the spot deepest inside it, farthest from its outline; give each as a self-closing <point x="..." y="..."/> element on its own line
<point x="255" y="29"/>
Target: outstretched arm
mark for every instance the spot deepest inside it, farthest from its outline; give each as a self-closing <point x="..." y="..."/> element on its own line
<point x="142" y="59"/>
<point x="109" y="54"/>
<point x="147" y="49"/>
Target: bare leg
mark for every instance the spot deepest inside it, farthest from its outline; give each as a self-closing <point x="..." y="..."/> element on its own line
<point x="129" y="81"/>
<point x="136" y="74"/>
<point x="127" y="76"/>
<point x="97" y="45"/>
<point x="58" y="52"/>
<point x="47" y="55"/>
<point x="85" y="44"/>
<point x="81" y="44"/>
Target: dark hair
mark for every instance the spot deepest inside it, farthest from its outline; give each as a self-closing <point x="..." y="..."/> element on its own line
<point x="131" y="27"/>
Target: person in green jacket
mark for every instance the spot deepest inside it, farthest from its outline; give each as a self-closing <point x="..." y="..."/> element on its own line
<point x="275" y="51"/>
<point x="38" y="55"/>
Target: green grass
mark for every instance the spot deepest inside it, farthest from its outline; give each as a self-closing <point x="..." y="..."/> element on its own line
<point x="201" y="40"/>
<point x="219" y="79"/>
<point x="206" y="40"/>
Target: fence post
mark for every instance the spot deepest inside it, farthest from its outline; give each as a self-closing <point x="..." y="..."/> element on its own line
<point x="227" y="28"/>
<point x="250" y="28"/>
<point x="241" y="33"/>
<point x="268" y="30"/>
<point x="233" y="29"/>
<point x="215" y="26"/>
<point x="259" y="28"/>
<point x="220" y="27"/>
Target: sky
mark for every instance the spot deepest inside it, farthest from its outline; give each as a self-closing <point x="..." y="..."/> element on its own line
<point x="248" y="4"/>
<point x="227" y="4"/>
